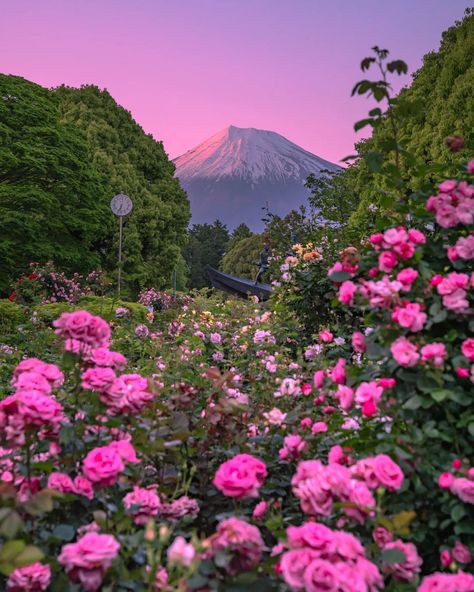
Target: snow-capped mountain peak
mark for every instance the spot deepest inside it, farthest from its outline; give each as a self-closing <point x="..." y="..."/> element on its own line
<point x="250" y="154"/>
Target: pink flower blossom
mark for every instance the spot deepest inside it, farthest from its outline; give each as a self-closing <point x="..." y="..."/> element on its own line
<point x="387" y="261"/>
<point x="381" y="536"/>
<point x="80" y="325"/>
<point x="142" y="503"/>
<point x="60" y="482"/>
<point x="241" y="476"/>
<point x="181" y="553"/>
<point x="102" y="466"/>
<point x="404" y="352"/>
<point x="358" y="342"/>
<point x="49" y="371"/>
<point x="293" y="446"/>
<point x="31" y="578"/>
<point x="435" y="353"/>
<point x="318" y="379"/>
<point x="347" y="292"/>
<point x="368" y="391"/>
<point x="445" y="558"/>
<point x="461" y="553"/>
<point x="445" y="480"/>
<point x="98" y="379"/>
<point x="346" y="397"/>
<point x="407" y="569"/>
<point x="82" y="486"/>
<point x="275" y="416"/>
<point x="87" y="560"/>
<point x="440" y="582"/>
<point x="319" y="427"/>
<point x="387" y="472"/>
<point x="125" y="450"/>
<point x="338" y="372"/>
<point x="293" y="566"/>
<point x="464" y="489"/>
<point x="410" y="316"/>
<point x="467" y="349"/>
<point x="326" y="336"/>
<point x="260" y="510"/>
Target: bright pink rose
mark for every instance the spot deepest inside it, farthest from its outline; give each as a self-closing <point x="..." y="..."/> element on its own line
<point x="408" y="569"/>
<point x="319" y="427"/>
<point x="338" y="373"/>
<point x="32" y="380"/>
<point x="376" y="238"/>
<point x="87" y="560"/>
<point x="293" y="566"/>
<point x="382" y="536"/>
<point x="445" y="480"/>
<point x="335" y="454"/>
<point x="445" y="558"/>
<point x="241" y="476"/>
<point x="102" y="466"/>
<point x="347" y="291"/>
<point x="80" y="325"/>
<point x="60" y="482"/>
<point x="368" y="391"/>
<point x="404" y="352"/>
<point x="387" y="261"/>
<point x="83" y="486"/>
<point x="98" y="379"/>
<point x="241" y="541"/>
<point x="416" y="237"/>
<point x="388" y="472"/>
<point x="440" y="582"/>
<point x="407" y="277"/>
<point x="31" y="578"/>
<point x="260" y="510"/>
<point x="464" y="489"/>
<point x="125" y="450"/>
<point x="321" y="575"/>
<point x="360" y="495"/>
<point x="294" y="446"/>
<point x="465" y="246"/>
<point x="410" y="316"/>
<point x="346" y="397"/>
<point x="50" y="371"/>
<point x="467" y="349"/>
<point x="306" y="423"/>
<point x="326" y="336"/>
<point x="435" y="353"/>
<point x="358" y="342"/>
<point x="318" y="379"/>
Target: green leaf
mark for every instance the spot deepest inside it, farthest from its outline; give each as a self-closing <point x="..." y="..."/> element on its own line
<point x="398" y="66"/>
<point x="29" y="555"/>
<point x="64" y="532"/>
<point x="375" y="161"/>
<point x="365" y="63"/>
<point x="339" y="276"/>
<point x="11" y="549"/>
<point x="11" y="523"/>
<point x="458" y="512"/>
<point x="413" y="403"/>
<point x="440" y="394"/>
<point x="358" y="125"/>
<point x="393" y="556"/>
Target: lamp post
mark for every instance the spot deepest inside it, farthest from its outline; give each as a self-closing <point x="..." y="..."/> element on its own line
<point x="121" y="205"/>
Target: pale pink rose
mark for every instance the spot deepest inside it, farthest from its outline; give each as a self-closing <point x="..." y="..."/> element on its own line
<point x="102" y="356"/>
<point x="410" y="316"/>
<point x="293" y="565"/>
<point x="102" y="466"/>
<point x="435" y="353"/>
<point x="464" y="489"/>
<point x="445" y="480"/>
<point x="31" y="578"/>
<point x="404" y="352"/>
<point x="360" y="495"/>
<point x="358" y="342"/>
<point x="347" y="292"/>
<point x="408" y="569"/>
<point x="465" y="247"/>
<point x="394" y="236"/>
<point x="180" y="552"/>
<point x="275" y="417"/>
<point x="388" y="472"/>
<point x="467" y="349"/>
<point x="295" y="446"/>
<point x="87" y="560"/>
<point x="387" y="261"/>
<point x="260" y="510"/>
<point x="142" y="503"/>
<point x="60" y="482"/>
<point x="461" y="553"/>
<point x="241" y="476"/>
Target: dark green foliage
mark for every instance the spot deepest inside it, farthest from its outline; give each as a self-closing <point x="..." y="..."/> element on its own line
<point x="53" y="203"/>
<point x="242" y="257"/>
<point x="439" y="103"/>
<point x="206" y="246"/>
<point x="240" y="232"/>
<point x="133" y="163"/>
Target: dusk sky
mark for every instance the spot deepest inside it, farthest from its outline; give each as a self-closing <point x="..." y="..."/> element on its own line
<point x="188" y="68"/>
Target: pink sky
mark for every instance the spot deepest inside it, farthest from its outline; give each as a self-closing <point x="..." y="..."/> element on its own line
<point x="188" y="68"/>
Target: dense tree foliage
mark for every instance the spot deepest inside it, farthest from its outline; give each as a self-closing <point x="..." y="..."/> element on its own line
<point x="206" y="246"/>
<point x="447" y="79"/>
<point x="133" y="163"/>
<point x="242" y="257"/>
<point x="240" y="232"/>
<point x="53" y="202"/>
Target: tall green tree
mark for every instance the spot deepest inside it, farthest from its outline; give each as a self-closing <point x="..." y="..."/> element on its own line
<point x="206" y="246"/>
<point x="132" y="162"/>
<point x="242" y="256"/>
<point x="53" y="202"/>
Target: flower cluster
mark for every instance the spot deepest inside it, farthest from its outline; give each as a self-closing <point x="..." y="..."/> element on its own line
<point x="241" y="476"/>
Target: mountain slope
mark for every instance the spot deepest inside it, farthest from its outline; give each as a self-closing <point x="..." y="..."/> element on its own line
<point x="238" y="171"/>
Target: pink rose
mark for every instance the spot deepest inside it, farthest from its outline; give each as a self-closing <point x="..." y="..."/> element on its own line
<point x="326" y="336"/>
<point x="445" y="558"/>
<point x="102" y="466"/>
<point x="407" y="277"/>
<point x="87" y="560"/>
<point x="368" y="391"/>
<point x="435" y="353"/>
<point x="416" y="237"/>
<point x="32" y="381"/>
<point x="358" y="342"/>
<point x="464" y="489"/>
<point x="98" y="379"/>
<point x="407" y="569"/>
<point x="445" y="480"/>
<point x="83" y="486"/>
<point x="260" y="510"/>
<point x="319" y="427"/>
<point x="180" y="552"/>
<point x="346" y="397"/>
<point x="381" y="536"/>
<point x="388" y="472"/>
<point x="293" y="565"/>
<point x="404" y="352"/>
<point x="338" y="373"/>
<point x="387" y="261"/>
<point x="321" y="575"/>
<point x="461" y="553"/>
<point x="440" y="582"/>
<point x="318" y="379"/>
<point x="241" y="476"/>
<point x="60" y="482"/>
<point x="467" y="349"/>
<point x="241" y="541"/>
<point x="347" y="291"/>
<point x="125" y="450"/>
<point x="409" y="316"/>
<point x="31" y="578"/>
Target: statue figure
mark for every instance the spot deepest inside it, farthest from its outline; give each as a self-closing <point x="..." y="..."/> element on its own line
<point x="263" y="262"/>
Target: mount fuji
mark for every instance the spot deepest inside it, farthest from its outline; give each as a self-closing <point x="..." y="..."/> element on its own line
<point x="238" y="171"/>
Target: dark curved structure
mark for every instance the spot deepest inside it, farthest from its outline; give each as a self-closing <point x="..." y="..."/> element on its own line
<point x="238" y="286"/>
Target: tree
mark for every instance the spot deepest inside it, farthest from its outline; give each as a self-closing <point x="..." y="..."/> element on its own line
<point x="243" y="257"/>
<point x="134" y="163"/>
<point x="53" y="202"/>
<point x="240" y="232"/>
<point x="206" y="246"/>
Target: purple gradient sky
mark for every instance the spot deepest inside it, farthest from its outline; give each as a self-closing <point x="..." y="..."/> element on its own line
<point x="188" y="68"/>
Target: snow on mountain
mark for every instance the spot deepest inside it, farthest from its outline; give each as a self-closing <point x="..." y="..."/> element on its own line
<point x="238" y="171"/>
